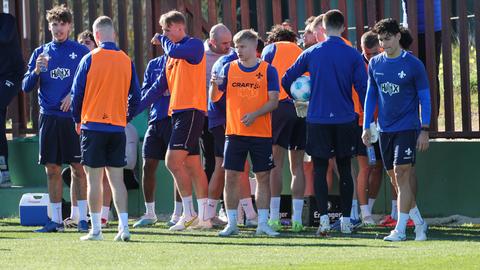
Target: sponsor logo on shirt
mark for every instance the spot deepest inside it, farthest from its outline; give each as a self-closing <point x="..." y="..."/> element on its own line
<point x="60" y="73"/>
<point x="390" y="88"/>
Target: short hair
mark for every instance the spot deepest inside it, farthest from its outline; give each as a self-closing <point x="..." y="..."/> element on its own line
<point x="281" y="33"/>
<point x="387" y="26"/>
<point x="102" y="22"/>
<point x="246" y="34"/>
<point x="317" y="21"/>
<point x="60" y="13"/>
<point x="216" y="29"/>
<point x="86" y="34"/>
<point x="369" y="39"/>
<point x="309" y="20"/>
<point x="406" y="38"/>
<point x="333" y="19"/>
<point x="173" y="16"/>
<point x="260" y="45"/>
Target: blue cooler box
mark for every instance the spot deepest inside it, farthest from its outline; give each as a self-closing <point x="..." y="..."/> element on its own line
<point x="33" y="209"/>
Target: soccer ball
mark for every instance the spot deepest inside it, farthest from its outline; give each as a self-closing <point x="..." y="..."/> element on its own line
<point x="300" y="88"/>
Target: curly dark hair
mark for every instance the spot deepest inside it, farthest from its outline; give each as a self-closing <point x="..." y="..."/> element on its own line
<point x="406" y="38"/>
<point x="281" y="33"/>
<point x="60" y="14"/>
<point x="387" y="26"/>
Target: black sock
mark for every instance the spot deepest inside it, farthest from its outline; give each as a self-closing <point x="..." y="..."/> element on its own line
<point x="320" y="167"/>
<point x="346" y="184"/>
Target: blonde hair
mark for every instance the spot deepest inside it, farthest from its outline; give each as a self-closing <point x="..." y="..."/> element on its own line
<point x="246" y="34"/>
<point x="173" y="16"/>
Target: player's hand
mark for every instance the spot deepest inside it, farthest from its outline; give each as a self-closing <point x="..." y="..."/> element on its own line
<point x="155" y="40"/>
<point x="216" y="79"/>
<point x="41" y="62"/>
<point x="423" y="141"/>
<point x="301" y="107"/>
<point x="65" y="106"/>
<point x="366" y="137"/>
<point x="77" y="128"/>
<point x="248" y="119"/>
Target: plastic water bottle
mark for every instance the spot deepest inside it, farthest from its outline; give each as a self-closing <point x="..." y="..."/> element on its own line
<point x="47" y="56"/>
<point x="372" y="159"/>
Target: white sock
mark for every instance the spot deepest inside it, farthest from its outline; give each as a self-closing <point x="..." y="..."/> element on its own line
<point x="415" y="216"/>
<point x="188" y="211"/>
<point x="402" y="222"/>
<point x="56" y="212"/>
<point x="240" y="215"/>
<point x="354" y="211"/>
<point x="345" y="219"/>
<point x="123" y="221"/>
<point x="371" y="202"/>
<point x="297" y="210"/>
<point x="247" y="206"/>
<point x="365" y="211"/>
<point x="74" y="213"/>
<point x="82" y="209"/>
<point x="211" y="208"/>
<point x="96" y="219"/>
<point x="202" y="209"/>
<point x="262" y="216"/>
<point x="232" y="217"/>
<point x="394" y="211"/>
<point x="105" y="212"/>
<point x="274" y="208"/>
<point x="177" y="208"/>
<point x="150" y="209"/>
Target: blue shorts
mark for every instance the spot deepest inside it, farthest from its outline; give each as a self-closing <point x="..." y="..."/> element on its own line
<point x="187" y="127"/>
<point x="238" y="147"/>
<point x="103" y="149"/>
<point x="218" y="133"/>
<point x="59" y="142"/>
<point x="156" y="140"/>
<point x="283" y="123"/>
<point x="362" y="149"/>
<point x="332" y="140"/>
<point x="398" y="148"/>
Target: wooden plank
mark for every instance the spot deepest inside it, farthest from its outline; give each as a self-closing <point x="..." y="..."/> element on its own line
<point x="395" y="9"/>
<point x="92" y="12"/>
<point x="431" y="62"/>
<point x="47" y="4"/>
<point x="228" y="20"/>
<point x="150" y="25"/>
<point x="197" y="19"/>
<point x="77" y="17"/>
<point x="122" y="25"/>
<point x="212" y="13"/>
<point x="34" y="29"/>
<point x="413" y="24"/>
<point x="277" y="11"/>
<point x="309" y="8"/>
<point x="477" y="47"/>
<point x="261" y="24"/>
<point x="371" y="12"/>
<point x="342" y="6"/>
<point x="245" y="13"/>
<point x="455" y="135"/>
<point x="108" y="10"/>
<point x="325" y="6"/>
<point x="380" y="10"/>
<point x="464" y="66"/>
<point x="359" y="21"/>
<point x="292" y="14"/>
<point x="138" y="38"/>
<point x="447" y="66"/>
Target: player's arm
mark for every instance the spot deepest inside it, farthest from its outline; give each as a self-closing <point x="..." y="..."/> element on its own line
<point x="296" y="70"/>
<point x="423" y="89"/>
<point x="268" y="53"/>
<point x="271" y="104"/>
<point x="133" y="94"/>
<point x="369" y="107"/>
<point x="192" y="50"/>
<point x="218" y="83"/>
<point x="30" y="78"/>
<point x="78" y="89"/>
<point x="151" y="94"/>
<point x="360" y="79"/>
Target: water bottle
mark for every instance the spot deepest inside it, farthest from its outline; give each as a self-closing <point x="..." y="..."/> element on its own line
<point x="372" y="159"/>
<point x="45" y="54"/>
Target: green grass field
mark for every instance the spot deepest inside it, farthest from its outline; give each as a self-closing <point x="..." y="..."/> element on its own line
<point x="158" y="248"/>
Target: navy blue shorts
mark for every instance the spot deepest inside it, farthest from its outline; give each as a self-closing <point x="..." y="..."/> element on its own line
<point x="218" y="133"/>
<point x="59" y="142"/>
<point x="298" y="140"/>
<point x="332" y="140"/>
<point x="156" y="140"/>
<point x="283" y="123"/>
<point x="187" y="127"/>
<point x="103" y="149"/>
<point x="362" y="149"/>
<point x="398" y="148"/>
<point x="238" y="147"/>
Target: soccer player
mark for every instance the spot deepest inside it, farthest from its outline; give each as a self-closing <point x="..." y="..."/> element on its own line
<point x="251" y="88"/>
<point x="289" y="131"/>
<point x="53" y="65"/>
<point x="184" y="76"/>
<point x="309" y="38"/>
<point x="331" y="120"/>
<point x="398" y="84"/>
<point x="86" y="38"/>
<point x="369" y="177"/>
<point x="155" y="143"/>
<point x="101" y="109"/>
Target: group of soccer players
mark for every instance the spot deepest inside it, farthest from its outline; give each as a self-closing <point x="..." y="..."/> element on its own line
<point x="241" y="96"/>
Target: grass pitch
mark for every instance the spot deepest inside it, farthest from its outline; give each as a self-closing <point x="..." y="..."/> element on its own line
<point x="158" y="248"/>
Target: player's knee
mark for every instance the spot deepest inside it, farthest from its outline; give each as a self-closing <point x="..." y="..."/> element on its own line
<point x="53" y="170"/>
<point x="401" y="171"/>
<point x="77" y="171"/>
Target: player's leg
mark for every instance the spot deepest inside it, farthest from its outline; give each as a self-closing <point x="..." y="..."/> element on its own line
<point x="332" y="169"/>
<point x="72" y="220"/>
<point x="375" y="179"/>
<point x="55" y="190"/>
<point x="95" y="199"/>
<point x="200" y="183"/>
<point x="297" y="187"/>
<point x="217" y="182"/>
<point x="246" y="201"/>
<point x="107" y="200"/>
<point x="363" y="189"/>
<point x="420" y="224"/>
<point x="149" y="168"/>
<point x="79" y="181"/>
<point x="276" y="181"/>
<point x="207" y="147"/>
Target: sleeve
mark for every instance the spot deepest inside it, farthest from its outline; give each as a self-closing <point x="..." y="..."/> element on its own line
<point x="30" y="79"/>
<point x="370" y="100"/>
<point x="147" y="77"/>
<point x="133" y="94"/>
<point x="131" y="146"/>
<point x="423" y="89"/>
<point x="272" y="79"/>
<point x="296" y="70"/>
<point x="224" y="73"/>
<point x="191" y="50"/>
<point x="153" y="93"/>
<point x="268" y="53"/>
<point x="78" y="87"/>
<point x="360" y="78"/>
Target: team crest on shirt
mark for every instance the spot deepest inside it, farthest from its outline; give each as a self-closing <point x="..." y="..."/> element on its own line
<point x="390" y="88"/>
<point x="72" y="55"/>
<point x="402" y="74"/>
<point x="60" y="73"/>
<point x="259" y="76"/>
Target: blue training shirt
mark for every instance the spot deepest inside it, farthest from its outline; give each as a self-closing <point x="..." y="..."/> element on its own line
<point x="56" y="82"/>
<point x="334" y="67"/>
<point x="216" y="110"/>
<point x="397" y="85"/>
<point x="159" y="108"/>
